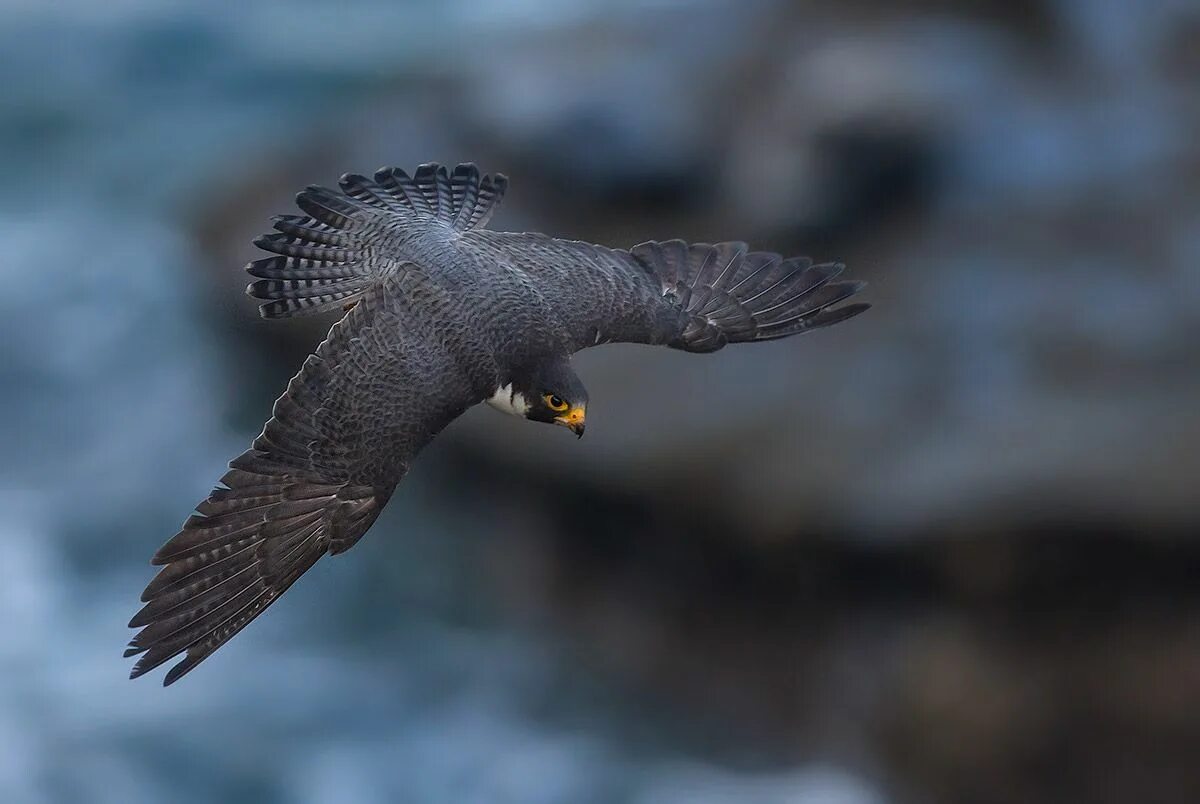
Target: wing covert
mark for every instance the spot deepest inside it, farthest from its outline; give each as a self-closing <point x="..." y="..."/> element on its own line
<point x="597" y="294"/>
<point x="696" y="297"/>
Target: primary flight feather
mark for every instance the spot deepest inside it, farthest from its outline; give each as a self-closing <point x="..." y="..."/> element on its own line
<point x="442" y="314"/>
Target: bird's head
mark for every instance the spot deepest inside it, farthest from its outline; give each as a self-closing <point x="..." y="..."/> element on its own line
<point x="548" y="392"/>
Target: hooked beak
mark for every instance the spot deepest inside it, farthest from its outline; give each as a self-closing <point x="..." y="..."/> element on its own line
<point x="573" y="421"/>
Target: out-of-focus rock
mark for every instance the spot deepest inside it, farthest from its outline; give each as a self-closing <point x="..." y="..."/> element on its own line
<point x="1058" y="663"/>
<point x="1027" y="354"/>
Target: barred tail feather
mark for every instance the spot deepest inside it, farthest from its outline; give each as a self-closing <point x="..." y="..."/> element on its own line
<point x="325" y="258"/>
<point x="733" y="295"/>
<point x="463" y="198"/>
<point x="322" y="262"/>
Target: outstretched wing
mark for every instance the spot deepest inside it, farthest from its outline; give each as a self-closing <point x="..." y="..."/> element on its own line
<point x="696" y="297"/>
<point x="341" y="437"/>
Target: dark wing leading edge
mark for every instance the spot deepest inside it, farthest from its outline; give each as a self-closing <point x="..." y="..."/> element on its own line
<point x="696" y="297"/>
<point x="340" y="438"/>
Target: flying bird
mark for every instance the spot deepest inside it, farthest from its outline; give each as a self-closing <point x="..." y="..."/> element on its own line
<point x="440" y="315"/>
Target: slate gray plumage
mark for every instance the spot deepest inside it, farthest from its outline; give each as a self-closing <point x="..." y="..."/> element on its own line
<point x="444" y="313"/>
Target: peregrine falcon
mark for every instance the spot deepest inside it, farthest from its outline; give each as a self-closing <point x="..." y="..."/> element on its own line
<point x="440" y="314"/>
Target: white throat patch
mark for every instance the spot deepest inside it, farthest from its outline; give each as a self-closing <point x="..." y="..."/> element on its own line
<point x="509" y="401"/>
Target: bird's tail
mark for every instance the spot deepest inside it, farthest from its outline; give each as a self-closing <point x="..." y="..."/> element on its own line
<point x="325" y="259"/>
<point x="733" y="295"/>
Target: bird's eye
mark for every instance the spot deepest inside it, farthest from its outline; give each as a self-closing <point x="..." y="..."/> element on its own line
<point x="555" y="403"/>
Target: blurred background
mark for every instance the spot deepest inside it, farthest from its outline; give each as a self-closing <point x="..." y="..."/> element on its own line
<point x="943" y="553"/>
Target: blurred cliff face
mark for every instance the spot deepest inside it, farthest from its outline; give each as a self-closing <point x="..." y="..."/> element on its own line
<point x="943" y="552"/>
<point x="1017" y="186"/>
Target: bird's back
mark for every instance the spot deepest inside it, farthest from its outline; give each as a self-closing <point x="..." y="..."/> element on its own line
<point x="577" y="285"/>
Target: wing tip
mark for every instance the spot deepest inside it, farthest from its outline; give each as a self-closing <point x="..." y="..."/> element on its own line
<point x="182" y="668"/>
